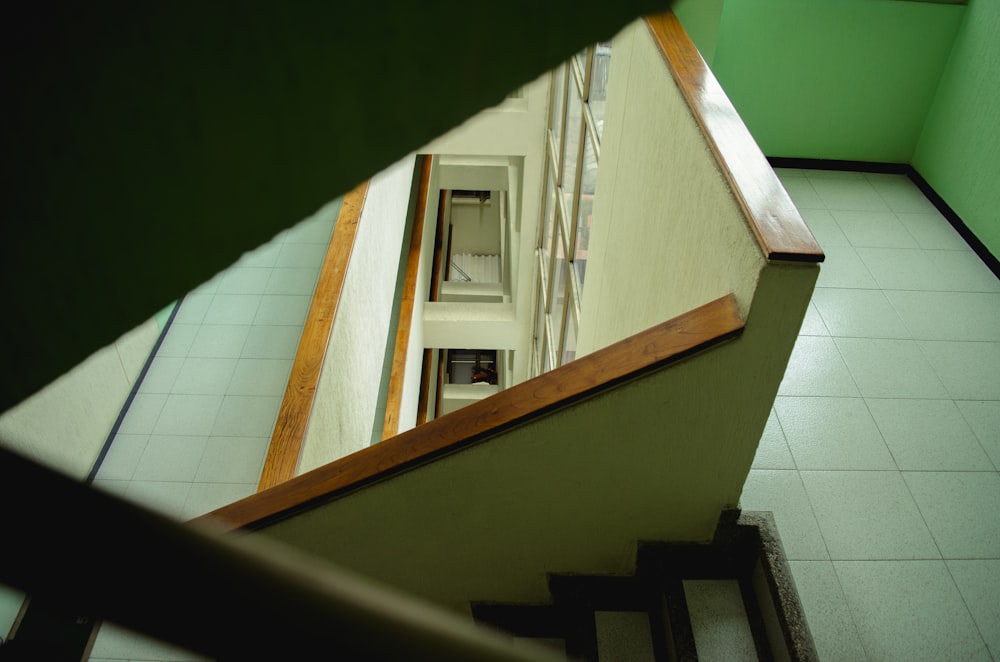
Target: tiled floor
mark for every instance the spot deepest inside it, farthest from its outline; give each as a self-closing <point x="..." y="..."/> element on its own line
<point x="880" y="457"/>
<point x="196" y="434"/>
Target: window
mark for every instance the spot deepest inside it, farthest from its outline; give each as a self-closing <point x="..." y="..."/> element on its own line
<point x="576" y="123"/>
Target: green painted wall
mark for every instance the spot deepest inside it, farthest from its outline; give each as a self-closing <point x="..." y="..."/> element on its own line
<point x="851" y="79"/>
<point x="701" y="19"/>
<point x="959" y="151"/>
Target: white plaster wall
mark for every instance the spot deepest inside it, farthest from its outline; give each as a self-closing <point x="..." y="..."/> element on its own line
<point x="347" y="393"/>
<point x="668" y="234"/>
<point x="64" y="426"/>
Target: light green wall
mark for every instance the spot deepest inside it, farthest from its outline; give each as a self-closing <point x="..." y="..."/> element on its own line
<point x="959" y="151"/>
<point x="700" y="19"/>
<point x="851" y="79"/>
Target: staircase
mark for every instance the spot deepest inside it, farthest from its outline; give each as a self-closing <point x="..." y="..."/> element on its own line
<point x="729" y="600"/>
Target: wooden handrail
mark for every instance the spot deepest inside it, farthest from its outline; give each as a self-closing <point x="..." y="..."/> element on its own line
<point x="394" y="396"/>
<point x="285" y="448"/>
<point x="649" y="350"/>
<point x="779" y="228"/>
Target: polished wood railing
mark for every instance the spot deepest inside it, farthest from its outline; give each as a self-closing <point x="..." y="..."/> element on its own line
<point x="779" y="228"/>
<point x="283" y="453"/>
<point x="647" y="351"/>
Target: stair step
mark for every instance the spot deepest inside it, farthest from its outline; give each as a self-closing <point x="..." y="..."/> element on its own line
<point x="719" y="620"/>
<point x="733" y="599"/>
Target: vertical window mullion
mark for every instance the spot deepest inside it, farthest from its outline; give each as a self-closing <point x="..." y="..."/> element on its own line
<point x="559" y="88"/>
<point x="578" y="87"/>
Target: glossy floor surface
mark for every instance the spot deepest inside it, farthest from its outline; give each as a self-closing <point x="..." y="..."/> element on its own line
<point x="880" y="457"/>
<point x="879" y="460"/>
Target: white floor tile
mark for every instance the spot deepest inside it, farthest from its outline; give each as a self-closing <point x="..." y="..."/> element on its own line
<point x="772" y="451"/>
<point x="812" y="323"/>
<point x="843" y="267"/>
<point x="984" y="419"/>
<point x="830" y="622"/>
<point x="315" y="230"/>
<point x="260" y="377"/>
<point x="909" y="611"/>
<point x="244" y="280"/>
<point x="949" y="315"/>
<point x="847" y="193"/>
<point x="960" y="508"/>
<point x="781" y="493"/>
<point x="884" y="368"/>
<point x="204" y="376"/>
<point x="979" y="584"/>
<point x="928" y="435"/>
<point x="164" y="497"/>
<point x="232" y="460"/>
<point x="143" y="413"/>
<point x="170" y="458"/>
<point x="802" y="193"/>
<point x="963" y="271"/>
<point x="824" y="228"/>
<point x="206" y="497"/>
<point x="281" y="309"/>
<point x="932" y="231"/>
<point x="220" y="341"/>
<point x="292" y="281"/>
<point x="123" y="457"/>
<point x="858" y="313"/>
<point x="232" y="309"/>
<point x="246" y="416"/>
<point x="832" y="433"/>
<point x="178" y="340"/>
<point x="272" y="342"/>
<point x="263" y="256"/>
<point x="161" y="375"/>
<point x="969" y="370"/>
<point x="868" y="515"/>
<point x="899" y="193"/>
<point x="300" y="255"/>
<point x="192" y="308"/>
<point x="879" y="229"/>
<point x="903" y="268"/>
<point x="188" y="414"/>
<point x="817" y="368"/>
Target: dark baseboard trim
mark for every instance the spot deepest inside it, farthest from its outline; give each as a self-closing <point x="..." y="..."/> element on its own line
<point x="132" y="393"/>
<point x="991" y="261"/>
<point x="988" y="258"/>
<point x="830" y="164"/>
